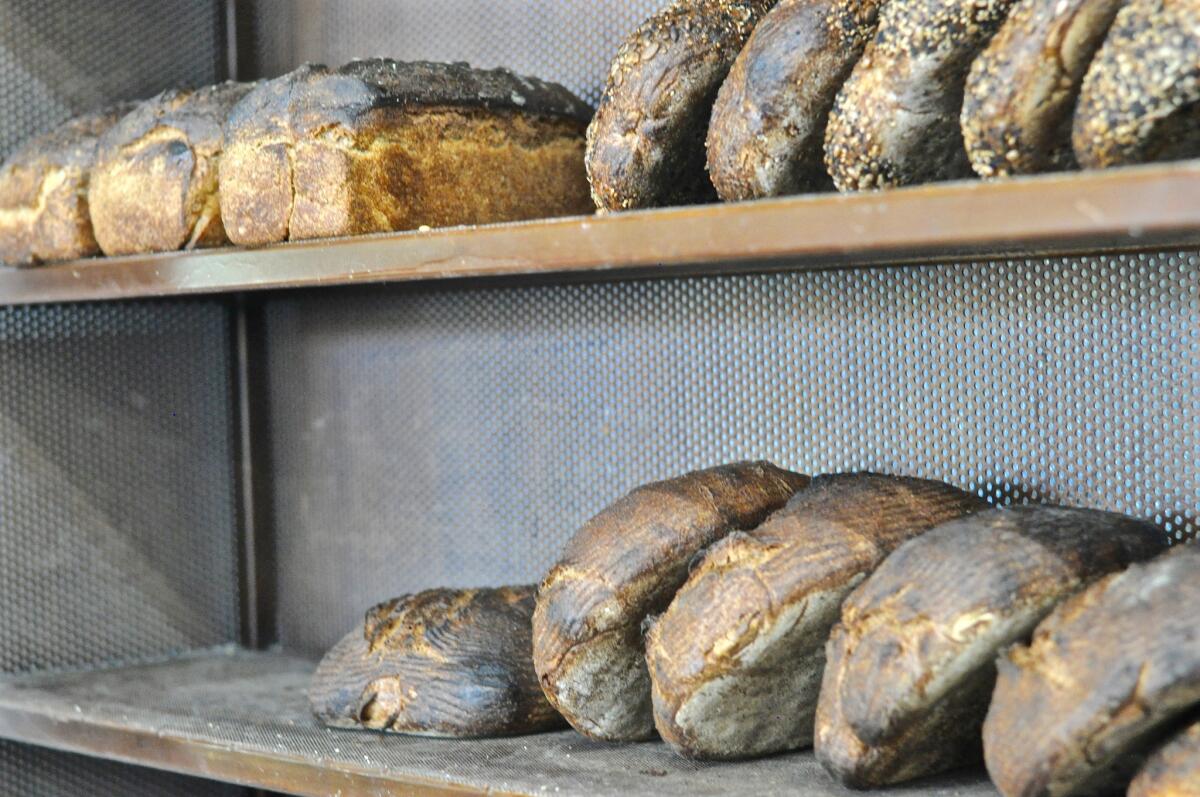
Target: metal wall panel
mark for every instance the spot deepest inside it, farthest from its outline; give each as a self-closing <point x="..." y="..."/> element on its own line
<point x="455" y="436"/>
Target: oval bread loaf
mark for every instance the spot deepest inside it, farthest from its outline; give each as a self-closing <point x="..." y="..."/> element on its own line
<point x="1021" y="91"/>
<point x="895" y="121"/>
<point x="154" y="188"/>
<point x="646" y="143"/>
<point x="736" y="659"/>
<point x="443" y="662"/>
<point x="1108" y="672"/>
<point x="911" y="665"/>
<point x="767" y="131"/>
<point x="625" y="564"/>
<point x="44" y="214"/>
<point x="1140" y="100"/>
<point x="1173" y="771"/>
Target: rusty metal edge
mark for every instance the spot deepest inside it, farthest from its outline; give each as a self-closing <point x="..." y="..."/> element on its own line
<point x="1139" y="207"/>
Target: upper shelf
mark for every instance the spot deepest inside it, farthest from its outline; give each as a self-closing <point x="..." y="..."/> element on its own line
<point x="1138" y="207"/>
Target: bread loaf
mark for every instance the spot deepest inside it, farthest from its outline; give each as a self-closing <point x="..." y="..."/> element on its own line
<point x="646" y="142"/>
<point x="911" y="665"/>
<point x="154" y="188"/>
<point x="624" y="564"/>
<point x="380" y="145"/>
<point x="767" y="131"/>
<point x="1021" y="92"/>
<point x="1140" y="100"/>
<point x="736" y="659"/>
<point x="895" y="121"/>
<point x="442" y="662"/>
<point x="1173" y="771"/>
<point x="1108" y="672"/>
<point x="44" y="213"/>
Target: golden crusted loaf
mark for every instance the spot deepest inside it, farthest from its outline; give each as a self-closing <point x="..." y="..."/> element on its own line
<point x="646" y="142"/>
<point x="154" y="187"/>
<point x="44" y="213"/>
<point x="381" y="145"/>
<point x="911" y="665"/>
<point x="767" y="132"/>
<point x="1173" y="771"/>
<point x="624" y="564"/>
<point x="736" y="660"/>
<point x="442" y="662"/>
<point x="1107" y="673"/>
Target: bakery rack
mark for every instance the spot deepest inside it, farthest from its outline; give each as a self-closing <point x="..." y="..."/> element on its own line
<point x="212" y="461"/>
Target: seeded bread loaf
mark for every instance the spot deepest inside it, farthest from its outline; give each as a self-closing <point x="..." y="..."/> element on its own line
<point x="1108" y="673"/>
<point x="646" y="142"/>
<point x="625" y="564"/>
<point x="736" y="660"/>
<point x="154" y="188"/>
<point x="1021" y="92"/>
<point x="1140" y="100"/>
<point x="911" y="665"/>
<point x="767" y="132"/>
<point x="380" y="145"/>
<point x="442" y="662"/>
<point x="1173" y="771"/>
<point x="44" y="214"/>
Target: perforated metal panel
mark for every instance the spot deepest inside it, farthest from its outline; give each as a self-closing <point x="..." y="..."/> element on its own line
<point x="456" y="437"/>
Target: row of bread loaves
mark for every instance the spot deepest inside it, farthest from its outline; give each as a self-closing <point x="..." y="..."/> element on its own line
<point x="377" y="145"/>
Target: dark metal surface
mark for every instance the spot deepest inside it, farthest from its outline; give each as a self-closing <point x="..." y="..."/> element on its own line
<point x="1070" y="213"/>
<point x="245" y="717"/>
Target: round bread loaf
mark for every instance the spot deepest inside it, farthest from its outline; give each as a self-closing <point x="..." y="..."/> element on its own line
<point x="646" y="143"/>
<point x="1107" y="674"/>
<point x="379" y="145"/>
<point x="736" y="660"/>
<point x="895" y="121"/>
<point x="443" y="662"/>
<point x="154" y="187"/>
<point x="44" y="214"/>
<point x="1174" y="771"/>
<point x="911" y="665"/>
<point x="625" y="564"/>
<point x="767" y="131"/>
<point x="1021" y="92"/>
<point x="1140" y="100"/>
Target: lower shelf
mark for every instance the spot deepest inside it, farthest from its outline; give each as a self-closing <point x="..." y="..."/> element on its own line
<point x="243" y="717"/>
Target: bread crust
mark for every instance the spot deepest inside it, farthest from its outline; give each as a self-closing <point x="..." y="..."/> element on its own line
<point x="1173" y="771"/>
<point x="443" y="662"/>
<point x="154" y="187"/>
<point x="623" y="565"/>
<point x="379" y="145"/>
<point x="1021" y="91"/>
<point x="645" y="146"/>
<point x="1140" y="100"/>
<point x="911" y="664"/>
<point x="736" y="659"/>
<point x="767" y="131"/>
<point x="895" y="121"/>
<point x="1107" y="673"/>
<point x="44" y="214"/>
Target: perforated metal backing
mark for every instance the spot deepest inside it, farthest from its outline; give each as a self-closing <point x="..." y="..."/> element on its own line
<point x="59" y="58"/>
<point x="568" y="41"/>
<point x="457" y="437"/>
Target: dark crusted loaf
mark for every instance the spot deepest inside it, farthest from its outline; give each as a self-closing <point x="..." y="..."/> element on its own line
<point x="911" y="665"/>
<point x="736" y="659"/>
<point x="154" y="187"/>
<point x="1140" y="100"/>
<point x="646" y="142"/>
<point x="44" y="214"/>
<point x="442" y="662"/>
<point x="625" y="564"/>
<point x="767" y="132"/>
<point x="1108" y="672"/>
<point x="1021" y="92"/>
<point x="381" y="145"/>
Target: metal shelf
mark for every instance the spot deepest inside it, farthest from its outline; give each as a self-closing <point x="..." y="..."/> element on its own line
<point x="1134" y="208"/>
<point x="243" y="718"/>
